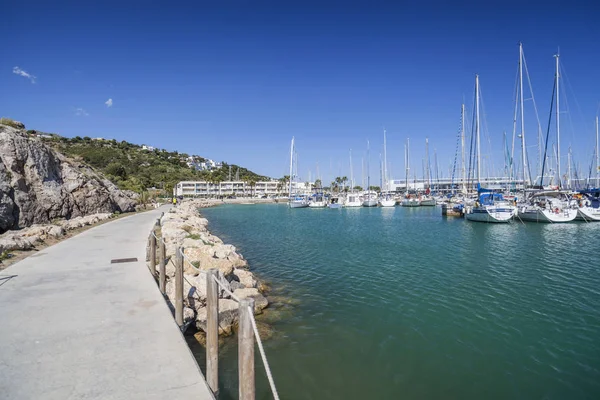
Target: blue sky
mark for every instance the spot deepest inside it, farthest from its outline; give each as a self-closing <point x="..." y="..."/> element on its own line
<point x="235" y="82"/>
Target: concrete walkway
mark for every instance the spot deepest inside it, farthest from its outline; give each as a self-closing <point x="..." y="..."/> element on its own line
<point x="75" y="326"/>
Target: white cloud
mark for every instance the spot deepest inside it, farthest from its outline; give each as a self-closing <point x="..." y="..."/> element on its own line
<point x="108" y="103"/>
<point x="80" y="112"/>
<point x="19" y="71"/>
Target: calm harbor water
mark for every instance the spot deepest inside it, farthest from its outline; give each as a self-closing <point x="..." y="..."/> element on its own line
<point x="402" y="303"/>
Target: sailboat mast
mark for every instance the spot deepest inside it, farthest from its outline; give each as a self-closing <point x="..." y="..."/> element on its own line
<point x="477" y="128"/>
<point x="569" y="168"/>
<point x="523" y="150"/>
<point x="407" y="161"/>
<point x="385" y="176"/>
<point x="427" y="172"/>
<point x="597" y="157"/>
<point x="351" y="171"/>
<point x="435" y="165"/>
<point x="368" y="166"/>
<point x="558" y="124"/>
<point x="291" y="165"/>
<point x="462" y="144"/>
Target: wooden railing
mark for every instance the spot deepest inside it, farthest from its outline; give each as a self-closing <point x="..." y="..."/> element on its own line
<point x="247" y="330"/>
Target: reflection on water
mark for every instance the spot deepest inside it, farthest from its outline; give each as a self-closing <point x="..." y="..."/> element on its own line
<point x="401" y="302"/>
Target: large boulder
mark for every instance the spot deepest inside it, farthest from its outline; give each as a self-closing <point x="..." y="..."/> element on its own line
<point x="245" y="277"/>
<point x="204" y="261"/>
<point x="38" y="184"/>
<point x="228" y="316"/>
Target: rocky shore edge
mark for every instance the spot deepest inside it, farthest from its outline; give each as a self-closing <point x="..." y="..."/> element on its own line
<point x="182" y="226"/>
<point x="31" y="237"/>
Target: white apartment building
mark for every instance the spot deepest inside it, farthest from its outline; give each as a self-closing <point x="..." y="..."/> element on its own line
<point x="227" y="188"/>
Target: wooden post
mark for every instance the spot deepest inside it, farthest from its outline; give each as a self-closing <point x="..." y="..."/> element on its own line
<point x="162" y="273"/>
<point x="212" y="330"/>
<point x="153" y="254"/>
<point x="246" y="350"/>
<point x="179" y="286"/>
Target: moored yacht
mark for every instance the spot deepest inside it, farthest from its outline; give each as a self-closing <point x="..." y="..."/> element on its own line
<point x="317" y="200"/>
<point x="589" y="205"/>
<point x="411" y="201"/>
<point x="353" y="200"/>
<point x="549" y="206"/>
<point x="299" y="201"/>
<point x="387" y="200"/>
<point x="369" y="199"/>
<point x="491" y="207"/>
<point x="428" y="200"/>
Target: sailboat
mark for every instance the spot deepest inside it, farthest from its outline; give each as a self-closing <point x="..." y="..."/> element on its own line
<point x="352" y="198"/>
<point x="369" y="196"/>
<point x="589" y="202"/>
<point x="489" y="207"/>
<point x="317" y="199"/>
<point x="550" y="206"/>
<point x="427" y="199"/>
<point x="296" y="200"/>
<point x="408" y="200"/>
<point x="386" y="199"/>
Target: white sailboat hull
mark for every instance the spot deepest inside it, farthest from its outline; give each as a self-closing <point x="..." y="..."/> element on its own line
<point x="588" y="214"/>
<point x="388" y="203"/>
<point x="538" y="214"/>
<point x="428" y="202"/>
<point x="491" y="214"/>
<point x="317" y="204"/>
<point x="353" y="204"/>
<point x="298" y="204"/>
<point x="369" y="203"/>
<point x="411" y="203"/>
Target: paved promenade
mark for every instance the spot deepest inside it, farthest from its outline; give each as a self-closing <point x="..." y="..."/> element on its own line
<point x="75" y="326"/>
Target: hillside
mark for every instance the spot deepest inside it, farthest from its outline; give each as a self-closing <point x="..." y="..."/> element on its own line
<point x="134" y="167"/>
<point x="39" y="185"/>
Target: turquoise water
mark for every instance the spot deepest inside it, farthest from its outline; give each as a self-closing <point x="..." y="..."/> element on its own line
<point x="402" y="303"/>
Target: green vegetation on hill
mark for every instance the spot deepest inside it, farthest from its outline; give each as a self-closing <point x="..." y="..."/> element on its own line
<point x="131" y="167"/>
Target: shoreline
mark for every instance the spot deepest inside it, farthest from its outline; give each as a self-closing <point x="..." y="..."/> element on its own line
<point x="184" y="227"/>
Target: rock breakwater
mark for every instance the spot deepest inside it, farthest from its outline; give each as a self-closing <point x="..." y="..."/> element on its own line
<point x="182" y="226"/>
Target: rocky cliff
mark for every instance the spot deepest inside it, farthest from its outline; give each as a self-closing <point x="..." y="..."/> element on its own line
<point x="37" y="184"/>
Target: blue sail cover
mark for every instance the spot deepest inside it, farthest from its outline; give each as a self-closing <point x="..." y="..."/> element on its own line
<point x="488" y="199"/>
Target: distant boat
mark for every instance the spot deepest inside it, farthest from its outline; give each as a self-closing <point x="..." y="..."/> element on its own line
<point x="491" y="207"/>
<point x="353" y="200"/>
<point x="387" y="200"/>
<point x="428" y="200"/>
<point x="411" y="201"/>
<point x="299" y="201"/>
<point x="589" y="205"/>
<point x="334" y="202"/>
<point x="548" y="206"/>
<point x="317" y="200"/>
<point x="295" y="200"/>
<point x="408" y="200"/>
<point x="369" y="196"/>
